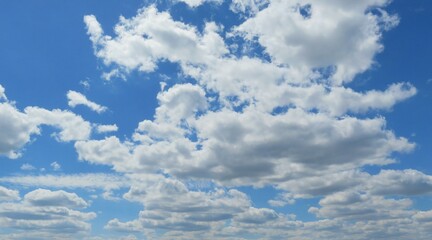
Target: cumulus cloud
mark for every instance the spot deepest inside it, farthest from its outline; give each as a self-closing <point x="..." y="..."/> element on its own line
<point x="106" y="128"/>
<point x="46" y="213"/>
<point x="8" y="194"/>
<point x="107" y="151"/>
<point x="339" y="34"/>
<point x="140" y="43"/>
<point x="44" y="197"/>
<point x="284" y="117"/>
<point x="72" y="127"/>
<point x="396" y="182"/>
<point x="27" y="167"/>
<point x="180" y="102"/>
<point x="17" y="128"/>
<point x="2" y="93"/>
<point x="240" y="123"/>
<point x="76" y="98"/>
<point x="170" y="205"/>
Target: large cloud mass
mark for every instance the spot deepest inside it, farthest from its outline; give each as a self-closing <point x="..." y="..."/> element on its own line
<point x="264" y="103"/>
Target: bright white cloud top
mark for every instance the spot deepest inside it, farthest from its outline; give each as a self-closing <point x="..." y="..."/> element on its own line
<point x="261" y="128"/>
<point x="76" y="98"/>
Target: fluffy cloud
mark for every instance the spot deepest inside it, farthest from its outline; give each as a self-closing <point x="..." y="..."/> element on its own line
<point x="43" y="197"/>
<point x="46" y="213"/>
<point x="170" y="205"/>
<point x="140" y="43"/>
<point x="107" y="151"/>
<point x="238" y="148"/>
<point x="72" y="127"/>
<point x="180" y="102"/>
<point x="76" y="98"/>
<point x="406" y="182"/>
<point x="2" y="93"/>
<point x="340" y="34"/>
<point x="27" y="167"/>
<point x="8" y="194"/>
<point x="247" y="6"/>
<point x="17" y="127"/>
<point x="284" y="117"/>
<point x="106" y="128"/>
<point x="357" y="206"/>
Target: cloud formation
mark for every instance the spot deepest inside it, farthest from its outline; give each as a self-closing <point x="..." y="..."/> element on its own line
<point x="76" y="98"/>
<point x="263" y="103"/>
<point x="43" y="213"/>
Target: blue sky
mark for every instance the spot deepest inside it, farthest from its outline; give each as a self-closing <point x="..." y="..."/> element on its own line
<point x="212" y="119"/>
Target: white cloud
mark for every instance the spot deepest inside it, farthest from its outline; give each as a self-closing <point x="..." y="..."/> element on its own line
<point x="76" y="98"/>
<point x="72" y="127"/>
<point x="8" y="194"/>
<point x="196" y="3"/>
<point x="343" y="34"/>
<point x="170" y="205"/>
<point x="249" y="7"/>
<point x="94" y="29"/>
<point x="43" y="197"/>
<point x="109" y="151"/>
<point x="400" y="182"/>
<point x="140" y="43"/>
<point x="362" y="207"/>
<point x="17" y="127"/>
<point x="27" y="167"/>
<point x="85" y="84"/>
<point x="180" y="102"/>
<point x="44" y="213"/>
<point x="106" y="128"/>
<point x="257" y="216"/>
<point x="55" y="166"/>
<point x="84" y="181"/>
<point x="338" y="101"/>
<point x="2" y="93"/>
<point x="324" y="184"/>
<point x="288" y="121"/>
<point x="252" y="147"/>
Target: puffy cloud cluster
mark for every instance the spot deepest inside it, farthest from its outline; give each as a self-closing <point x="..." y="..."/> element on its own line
<point x="45" y="214"/>
<point x="19" y="126"/>
<point x="284" y="117"/>
<point x="340" y="34"/>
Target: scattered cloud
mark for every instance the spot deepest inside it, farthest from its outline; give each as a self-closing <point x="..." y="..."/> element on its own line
<point x="43" y="213"/>
<point x="2" y="93"/>
<point x="43" y="197"/>
<point x="17" y="128"/>
<point x="266" y="103"/>
<point x="8" y="194"/>
<point x="27" y="167"/>
<point x="76" y="98"/>
<point x="106" y="128"/>
<point x="90" y="181"/>
<point x="55" y="166"/>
